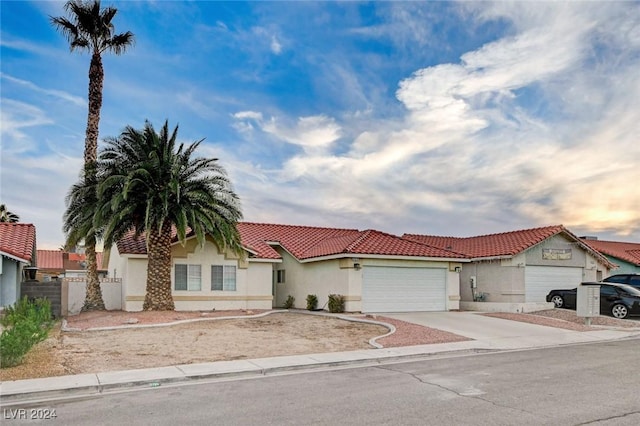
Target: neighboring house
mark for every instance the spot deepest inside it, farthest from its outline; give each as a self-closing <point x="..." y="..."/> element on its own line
<point x="376" y="272"/>
<point x="59" y="264"/>
<point x="17" y="251"/>
<point x="626" y="256"/>
<point x="521" y="267"/>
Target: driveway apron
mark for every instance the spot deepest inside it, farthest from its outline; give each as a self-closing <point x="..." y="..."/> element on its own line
<point x="475" y="325"/>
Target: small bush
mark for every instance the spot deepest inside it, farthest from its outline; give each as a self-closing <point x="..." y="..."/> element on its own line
<point x="288" y="304"/>
<point x="312" y="302"/>
<point x="26" y="323"/>
<point x="336" y="303"/>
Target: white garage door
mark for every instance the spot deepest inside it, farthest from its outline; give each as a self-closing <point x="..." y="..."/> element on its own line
<point x="540" y="280"/>
<point x="390" y="289"/>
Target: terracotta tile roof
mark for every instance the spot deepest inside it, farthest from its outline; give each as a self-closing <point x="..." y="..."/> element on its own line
<point x="376" y="242"/>
<point x="493" y="245"/>
<point x="303" y="242"/>
<point x="130" y="245"/>
<point x="18" y="240"/>
<point x="629" y="252"/>
<point x="308" y="242"/>
<point x="505" y="244"/>
<point x="49" y="259"/>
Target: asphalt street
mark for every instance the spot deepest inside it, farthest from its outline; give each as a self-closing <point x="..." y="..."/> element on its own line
<point x="569" y="385"/>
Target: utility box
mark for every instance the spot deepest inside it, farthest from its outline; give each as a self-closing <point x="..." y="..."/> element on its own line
<point x="588" y="301"/>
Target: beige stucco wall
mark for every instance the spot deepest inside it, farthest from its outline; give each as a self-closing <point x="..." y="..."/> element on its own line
<point x="501" y="280"/>
<point x="578" y="254"/>
<point x="77" y="290"/>
<point x="338" y="276"/>
<point x="253" y="280"/>
<point x="319" y="278"/>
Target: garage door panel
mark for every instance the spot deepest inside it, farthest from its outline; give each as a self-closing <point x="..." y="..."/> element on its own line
<point x="396" y="289"/>
<point x="540" y="280"/>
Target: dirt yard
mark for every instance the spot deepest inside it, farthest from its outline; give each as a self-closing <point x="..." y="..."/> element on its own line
<point x="89" y="351"/>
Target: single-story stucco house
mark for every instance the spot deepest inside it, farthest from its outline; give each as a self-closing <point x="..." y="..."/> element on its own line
<point x="374" y="271"/>
<point x="626" y="256"/>
<point x="17" y="251"/>
<point x="521" y="267"/>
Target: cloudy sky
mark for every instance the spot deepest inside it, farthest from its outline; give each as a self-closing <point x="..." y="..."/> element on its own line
<point x="437" y="118"/>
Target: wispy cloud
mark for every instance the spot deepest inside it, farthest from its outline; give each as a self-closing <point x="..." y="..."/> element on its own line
<point x="76" y="100"/>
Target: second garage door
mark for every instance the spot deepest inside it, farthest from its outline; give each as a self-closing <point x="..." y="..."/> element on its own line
<point x="540" y="280"/>
<point x="392" y="289"/>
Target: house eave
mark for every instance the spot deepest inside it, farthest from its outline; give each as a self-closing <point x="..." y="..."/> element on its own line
<point x="382" y="256"/>
<point x="480" y="259"/>
<point x="15" y="258"/>
<point x="263" y="260"/>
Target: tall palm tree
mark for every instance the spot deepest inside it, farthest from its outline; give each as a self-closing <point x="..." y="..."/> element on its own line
<point x="151" y="186"/>
<point x="89" y="28"/>
<point x="7" y="216"/>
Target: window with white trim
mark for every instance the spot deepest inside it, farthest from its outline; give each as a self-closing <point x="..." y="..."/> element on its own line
<point x="188" y="277"/>
<point x="223" y="278"/>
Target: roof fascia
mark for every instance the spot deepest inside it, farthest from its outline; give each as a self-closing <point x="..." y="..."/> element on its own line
<point x="12" y="257"/>
<point x="263" y="260"/>
<point x="382" y="256"/>
<point x="480" y="259"/>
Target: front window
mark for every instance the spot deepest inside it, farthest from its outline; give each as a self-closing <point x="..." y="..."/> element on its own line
<point x="187" y="277"/>
<point x="223" y="278"/>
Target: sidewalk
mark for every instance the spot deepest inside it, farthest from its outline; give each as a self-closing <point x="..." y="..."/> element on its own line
<point x="15" y="393"/>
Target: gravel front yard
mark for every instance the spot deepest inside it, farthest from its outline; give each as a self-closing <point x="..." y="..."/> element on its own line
<point x="130" y="346"/>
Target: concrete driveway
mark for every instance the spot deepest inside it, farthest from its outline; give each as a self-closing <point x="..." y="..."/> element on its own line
<point x="476" y="326"/>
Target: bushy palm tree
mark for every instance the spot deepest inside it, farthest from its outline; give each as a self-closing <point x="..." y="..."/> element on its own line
<point x="7" y="216"/>
<point x="149" y="185"/>
<point x="90" y="28"/>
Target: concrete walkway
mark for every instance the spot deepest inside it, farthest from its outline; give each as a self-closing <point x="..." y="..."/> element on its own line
<point x="491" y="334"/>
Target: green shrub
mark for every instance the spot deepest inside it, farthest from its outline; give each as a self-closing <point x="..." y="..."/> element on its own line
<point x="312" y="302"/>
<point x="288" y="304"/>
<point x="38" y="310"/>
<point x="26" y="323"/>
<point x="336" y="303"/>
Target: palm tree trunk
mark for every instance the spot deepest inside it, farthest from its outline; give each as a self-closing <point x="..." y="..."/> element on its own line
<point x="159" y="297"/>
<point x="93" y="299"/>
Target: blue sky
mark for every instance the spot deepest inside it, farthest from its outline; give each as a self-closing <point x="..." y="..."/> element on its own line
<point x="438" y="118"/>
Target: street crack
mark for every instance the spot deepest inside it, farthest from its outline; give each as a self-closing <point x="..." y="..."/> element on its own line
<point x="461" y="394"/>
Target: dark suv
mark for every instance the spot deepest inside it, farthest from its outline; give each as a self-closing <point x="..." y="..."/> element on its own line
<point x="631" y="279"/>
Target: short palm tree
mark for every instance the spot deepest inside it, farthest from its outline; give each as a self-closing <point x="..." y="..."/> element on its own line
<point x="90" y="28"/>
<point x="7" y="216"/>
<point x="151" y="186"/>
